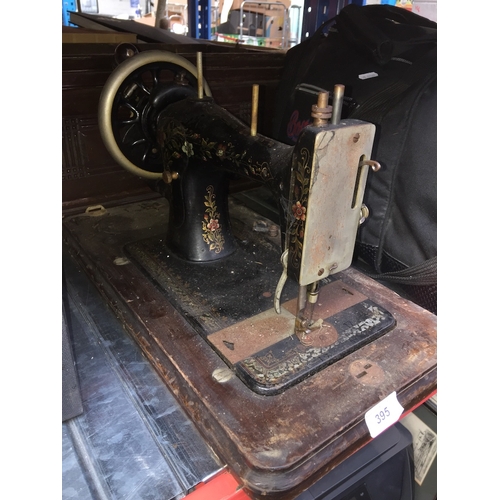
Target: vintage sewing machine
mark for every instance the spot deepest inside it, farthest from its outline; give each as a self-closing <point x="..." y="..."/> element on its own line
<point x="274" y="344"/>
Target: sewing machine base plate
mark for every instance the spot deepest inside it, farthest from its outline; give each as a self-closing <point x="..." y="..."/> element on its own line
<point x="276" y="444"/>
<point x="230" y="303"/>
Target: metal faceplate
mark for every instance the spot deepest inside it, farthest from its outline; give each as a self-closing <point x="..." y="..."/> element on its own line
<point x="326" y="194"/>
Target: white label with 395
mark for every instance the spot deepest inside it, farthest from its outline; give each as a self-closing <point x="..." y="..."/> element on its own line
<point x="383" y="415"/>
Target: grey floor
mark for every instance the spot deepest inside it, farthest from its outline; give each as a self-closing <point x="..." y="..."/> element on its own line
<point x="132" y="441"/>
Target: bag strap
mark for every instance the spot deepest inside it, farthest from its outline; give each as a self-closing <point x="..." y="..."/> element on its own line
<point x="321" y="30"/>
<point x="297" y="63"/>
<point x="423" y="274"/>
<point x="305" y="61"/>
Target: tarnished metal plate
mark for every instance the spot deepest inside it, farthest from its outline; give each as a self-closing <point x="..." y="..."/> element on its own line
<point x="326" y="195"/>
<point x="274" y="369"/>
<point x="241" y="340"/>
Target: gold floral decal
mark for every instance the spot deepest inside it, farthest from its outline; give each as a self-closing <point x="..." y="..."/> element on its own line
<point x="299" y="207"/>
<point x="177" y="141"/>
<point x="211" y="228"/>
<point x="187" y="147"/>
<point x="299" y="212"/>
<point x="172" y="138"/>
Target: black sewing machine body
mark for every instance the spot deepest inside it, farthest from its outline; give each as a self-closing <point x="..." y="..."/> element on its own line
<point x="206" y="146"/>
<point x="198" y="279"/>
<point x="318" y="187"/>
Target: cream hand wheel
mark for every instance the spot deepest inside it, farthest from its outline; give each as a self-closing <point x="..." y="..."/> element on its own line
<point x="133" y="96"/>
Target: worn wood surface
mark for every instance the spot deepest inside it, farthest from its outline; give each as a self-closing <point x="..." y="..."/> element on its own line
<point x="277" y="445"/>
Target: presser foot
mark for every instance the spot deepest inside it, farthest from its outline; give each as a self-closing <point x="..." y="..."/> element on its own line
<point x="305" y="330"/>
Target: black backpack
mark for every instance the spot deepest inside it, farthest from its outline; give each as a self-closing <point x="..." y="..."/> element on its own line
<point x="387" y="59"/>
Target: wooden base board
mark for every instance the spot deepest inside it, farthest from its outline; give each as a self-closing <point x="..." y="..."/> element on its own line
<point x="277" y="445"/>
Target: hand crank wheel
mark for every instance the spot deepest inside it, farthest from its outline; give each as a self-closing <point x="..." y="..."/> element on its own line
<point x="131" y="99"/>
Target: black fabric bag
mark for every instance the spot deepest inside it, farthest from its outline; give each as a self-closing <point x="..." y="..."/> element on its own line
<point x="386" y="57"/>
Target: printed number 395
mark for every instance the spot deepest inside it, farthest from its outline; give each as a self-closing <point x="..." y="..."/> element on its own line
<point x="382" y="415"/>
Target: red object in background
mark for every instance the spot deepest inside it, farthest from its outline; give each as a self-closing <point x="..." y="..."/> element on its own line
<point x="418" y="404"/>
<point x="223" y="486"/>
